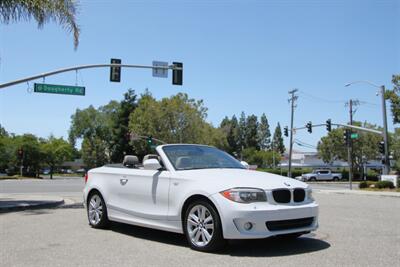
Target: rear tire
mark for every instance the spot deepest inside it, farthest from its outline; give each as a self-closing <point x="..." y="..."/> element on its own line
<point x="202" y="227"/>
<point x="97" y="211"/>
<point x="335" y="179"/>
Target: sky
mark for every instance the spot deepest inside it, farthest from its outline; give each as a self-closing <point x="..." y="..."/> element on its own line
<point x="237" y="55"/>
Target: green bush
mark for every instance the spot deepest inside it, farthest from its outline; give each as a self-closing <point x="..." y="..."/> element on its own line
<point x="363" y="184"/>
<point x="366" y="184"/>
<point x="384" y="184"/>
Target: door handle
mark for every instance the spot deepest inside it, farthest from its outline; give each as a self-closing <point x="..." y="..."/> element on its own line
<point x="123" y="181"/>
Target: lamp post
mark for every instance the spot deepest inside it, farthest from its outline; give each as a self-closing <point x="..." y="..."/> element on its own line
<point x="386" y="169"/>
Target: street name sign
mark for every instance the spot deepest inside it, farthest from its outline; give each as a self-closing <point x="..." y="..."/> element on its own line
<point x="161" y="73"/>
<point x="354" y="136"/>
<point x="59" y="89"/>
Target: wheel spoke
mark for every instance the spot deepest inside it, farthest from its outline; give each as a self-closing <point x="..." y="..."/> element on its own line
<point x="208" y="219"/>
<point x="206" y="235"/>
<point x="92" y="203"/>
<point x="193" y="233"/>
<point x="192" y="223"/>
<point x="194" y="218"/>
<point x="203" y="213"/>
<point x="209" y="226"/>
<point x="197" y="236"/>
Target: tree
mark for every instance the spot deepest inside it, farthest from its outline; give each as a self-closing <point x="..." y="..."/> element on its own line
<point x="264" y="134"/>
<point x="32" y="155"/>
<point x="242" y="132"/>
<point x="177" y="119"/>
<point x="251" y="132"/>
<point x="395" y="148"/>
<point x="394" y="98"/>
<point x="120" y="127"/>
<point x="61" y="11"/>
<point x="261" y="158"/>
<point x="94" y="127"/>
<point x="230" y="128"/>
<point x="365" y="147"/>
<point x="278" y="140"/>
<point x="56" y="151"/>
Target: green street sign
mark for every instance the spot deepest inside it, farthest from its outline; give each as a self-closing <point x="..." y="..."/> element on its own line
<point x="59" y="89"/>
<point x="354" y="136"/>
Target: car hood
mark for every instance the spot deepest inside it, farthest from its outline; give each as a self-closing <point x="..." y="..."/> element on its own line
<point x="222" y="179"/>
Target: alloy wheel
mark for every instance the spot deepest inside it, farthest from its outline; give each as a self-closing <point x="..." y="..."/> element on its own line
<point x="95" y="209"/>
<point x="200" y="226"/>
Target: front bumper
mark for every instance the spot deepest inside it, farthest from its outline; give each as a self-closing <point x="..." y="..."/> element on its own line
<point x="234" y="216"/>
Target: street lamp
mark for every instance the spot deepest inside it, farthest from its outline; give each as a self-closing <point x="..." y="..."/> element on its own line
<point x="385" y="128"/>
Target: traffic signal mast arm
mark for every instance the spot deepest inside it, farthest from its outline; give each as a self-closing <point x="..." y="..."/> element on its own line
<point x="80" y="67"/>
<point x="137" y="137"/>
<point x="345" y="126"/>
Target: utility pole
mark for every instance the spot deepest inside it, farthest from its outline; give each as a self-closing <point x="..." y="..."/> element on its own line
<point x="292" y="100"/>
<point x="386" y="169"/>
<point x="351" y="104"/>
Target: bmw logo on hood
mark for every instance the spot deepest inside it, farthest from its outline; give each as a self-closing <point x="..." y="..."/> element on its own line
<point x="287" y="184"/>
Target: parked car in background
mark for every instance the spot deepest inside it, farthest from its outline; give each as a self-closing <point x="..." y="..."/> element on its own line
<point x="201" y="192"/>
<point x="321" y="175"/>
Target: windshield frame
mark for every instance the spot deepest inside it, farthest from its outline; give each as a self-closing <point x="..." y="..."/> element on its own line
<point x="240" y="166"/>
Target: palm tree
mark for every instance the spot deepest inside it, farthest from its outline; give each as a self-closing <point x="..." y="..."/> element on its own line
<point x="61" y="11"/>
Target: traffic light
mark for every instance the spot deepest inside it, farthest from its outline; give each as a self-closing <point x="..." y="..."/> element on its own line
<point x="346" y="137"/>
<point x="329" y="125"/>
<point x="309" y="127"/>
<point x="177" y="74"/>
<point x="115" y="72"/>
<point x="20" y="153"/>
<point x="382" y="147"/>
<point x="286" y="131"/>
<point x="149" y="140"/>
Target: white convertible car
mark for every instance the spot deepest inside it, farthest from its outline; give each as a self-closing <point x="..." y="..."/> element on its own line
<point x="202" y="192"/>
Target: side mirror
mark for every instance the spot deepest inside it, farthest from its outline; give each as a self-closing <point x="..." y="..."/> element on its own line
<point x="245" y="164"/>
<point x="151" y="164"/>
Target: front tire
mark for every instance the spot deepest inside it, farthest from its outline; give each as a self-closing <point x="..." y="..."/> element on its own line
<point x="97" y="211"/>
<point x="202" y="227"/>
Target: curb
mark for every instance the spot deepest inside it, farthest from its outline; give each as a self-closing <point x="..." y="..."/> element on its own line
<point x="360" y="193"/>
<point x="29" y="206"/>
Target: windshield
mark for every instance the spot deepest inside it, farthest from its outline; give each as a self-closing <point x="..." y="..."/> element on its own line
<point x="189" y="157"/>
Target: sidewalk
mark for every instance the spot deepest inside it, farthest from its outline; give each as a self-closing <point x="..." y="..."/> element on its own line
<point x="358" y="192"/>
<point x="18" y="202"/>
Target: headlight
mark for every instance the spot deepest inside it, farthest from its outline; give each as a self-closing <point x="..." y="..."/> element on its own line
<point x="309" y="195"/>
<point x="245" y="195"/>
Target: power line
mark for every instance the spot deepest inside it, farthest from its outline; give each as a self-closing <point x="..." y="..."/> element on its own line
<point x="320" y="98"/>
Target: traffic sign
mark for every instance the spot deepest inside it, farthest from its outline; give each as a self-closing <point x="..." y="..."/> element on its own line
<point x="160" y="72"/>
<point x="59" y="89"/>
<point x="354" y="136"/>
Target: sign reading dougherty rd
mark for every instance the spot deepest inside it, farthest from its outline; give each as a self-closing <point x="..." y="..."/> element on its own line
<point x="59" y="89"/>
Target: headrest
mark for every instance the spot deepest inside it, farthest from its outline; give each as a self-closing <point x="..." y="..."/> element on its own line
<point x="130" y="161"/>
<point x="183" y="162"/>
<point x="151" y="156"/>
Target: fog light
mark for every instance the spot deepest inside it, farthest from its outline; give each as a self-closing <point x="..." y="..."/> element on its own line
<point x="247" y="226"/>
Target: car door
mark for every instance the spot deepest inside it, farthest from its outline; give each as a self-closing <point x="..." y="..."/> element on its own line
<point x="144" y="193"/>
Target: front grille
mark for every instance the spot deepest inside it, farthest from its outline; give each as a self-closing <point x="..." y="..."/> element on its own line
<point x="298" y="195"/>
<point x="289" y="224"/>
<point x="281" y="195"/>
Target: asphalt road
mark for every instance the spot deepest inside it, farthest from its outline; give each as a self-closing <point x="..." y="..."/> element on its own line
<point x="64" y="185"/>
<point x="355" y="230"/>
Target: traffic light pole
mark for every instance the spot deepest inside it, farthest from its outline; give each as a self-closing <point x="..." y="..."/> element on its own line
<point x="80" y="67"/>
<point x="385" y="132"/>
<point x="292" y="100"/>
<point x="350" y="147"/>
